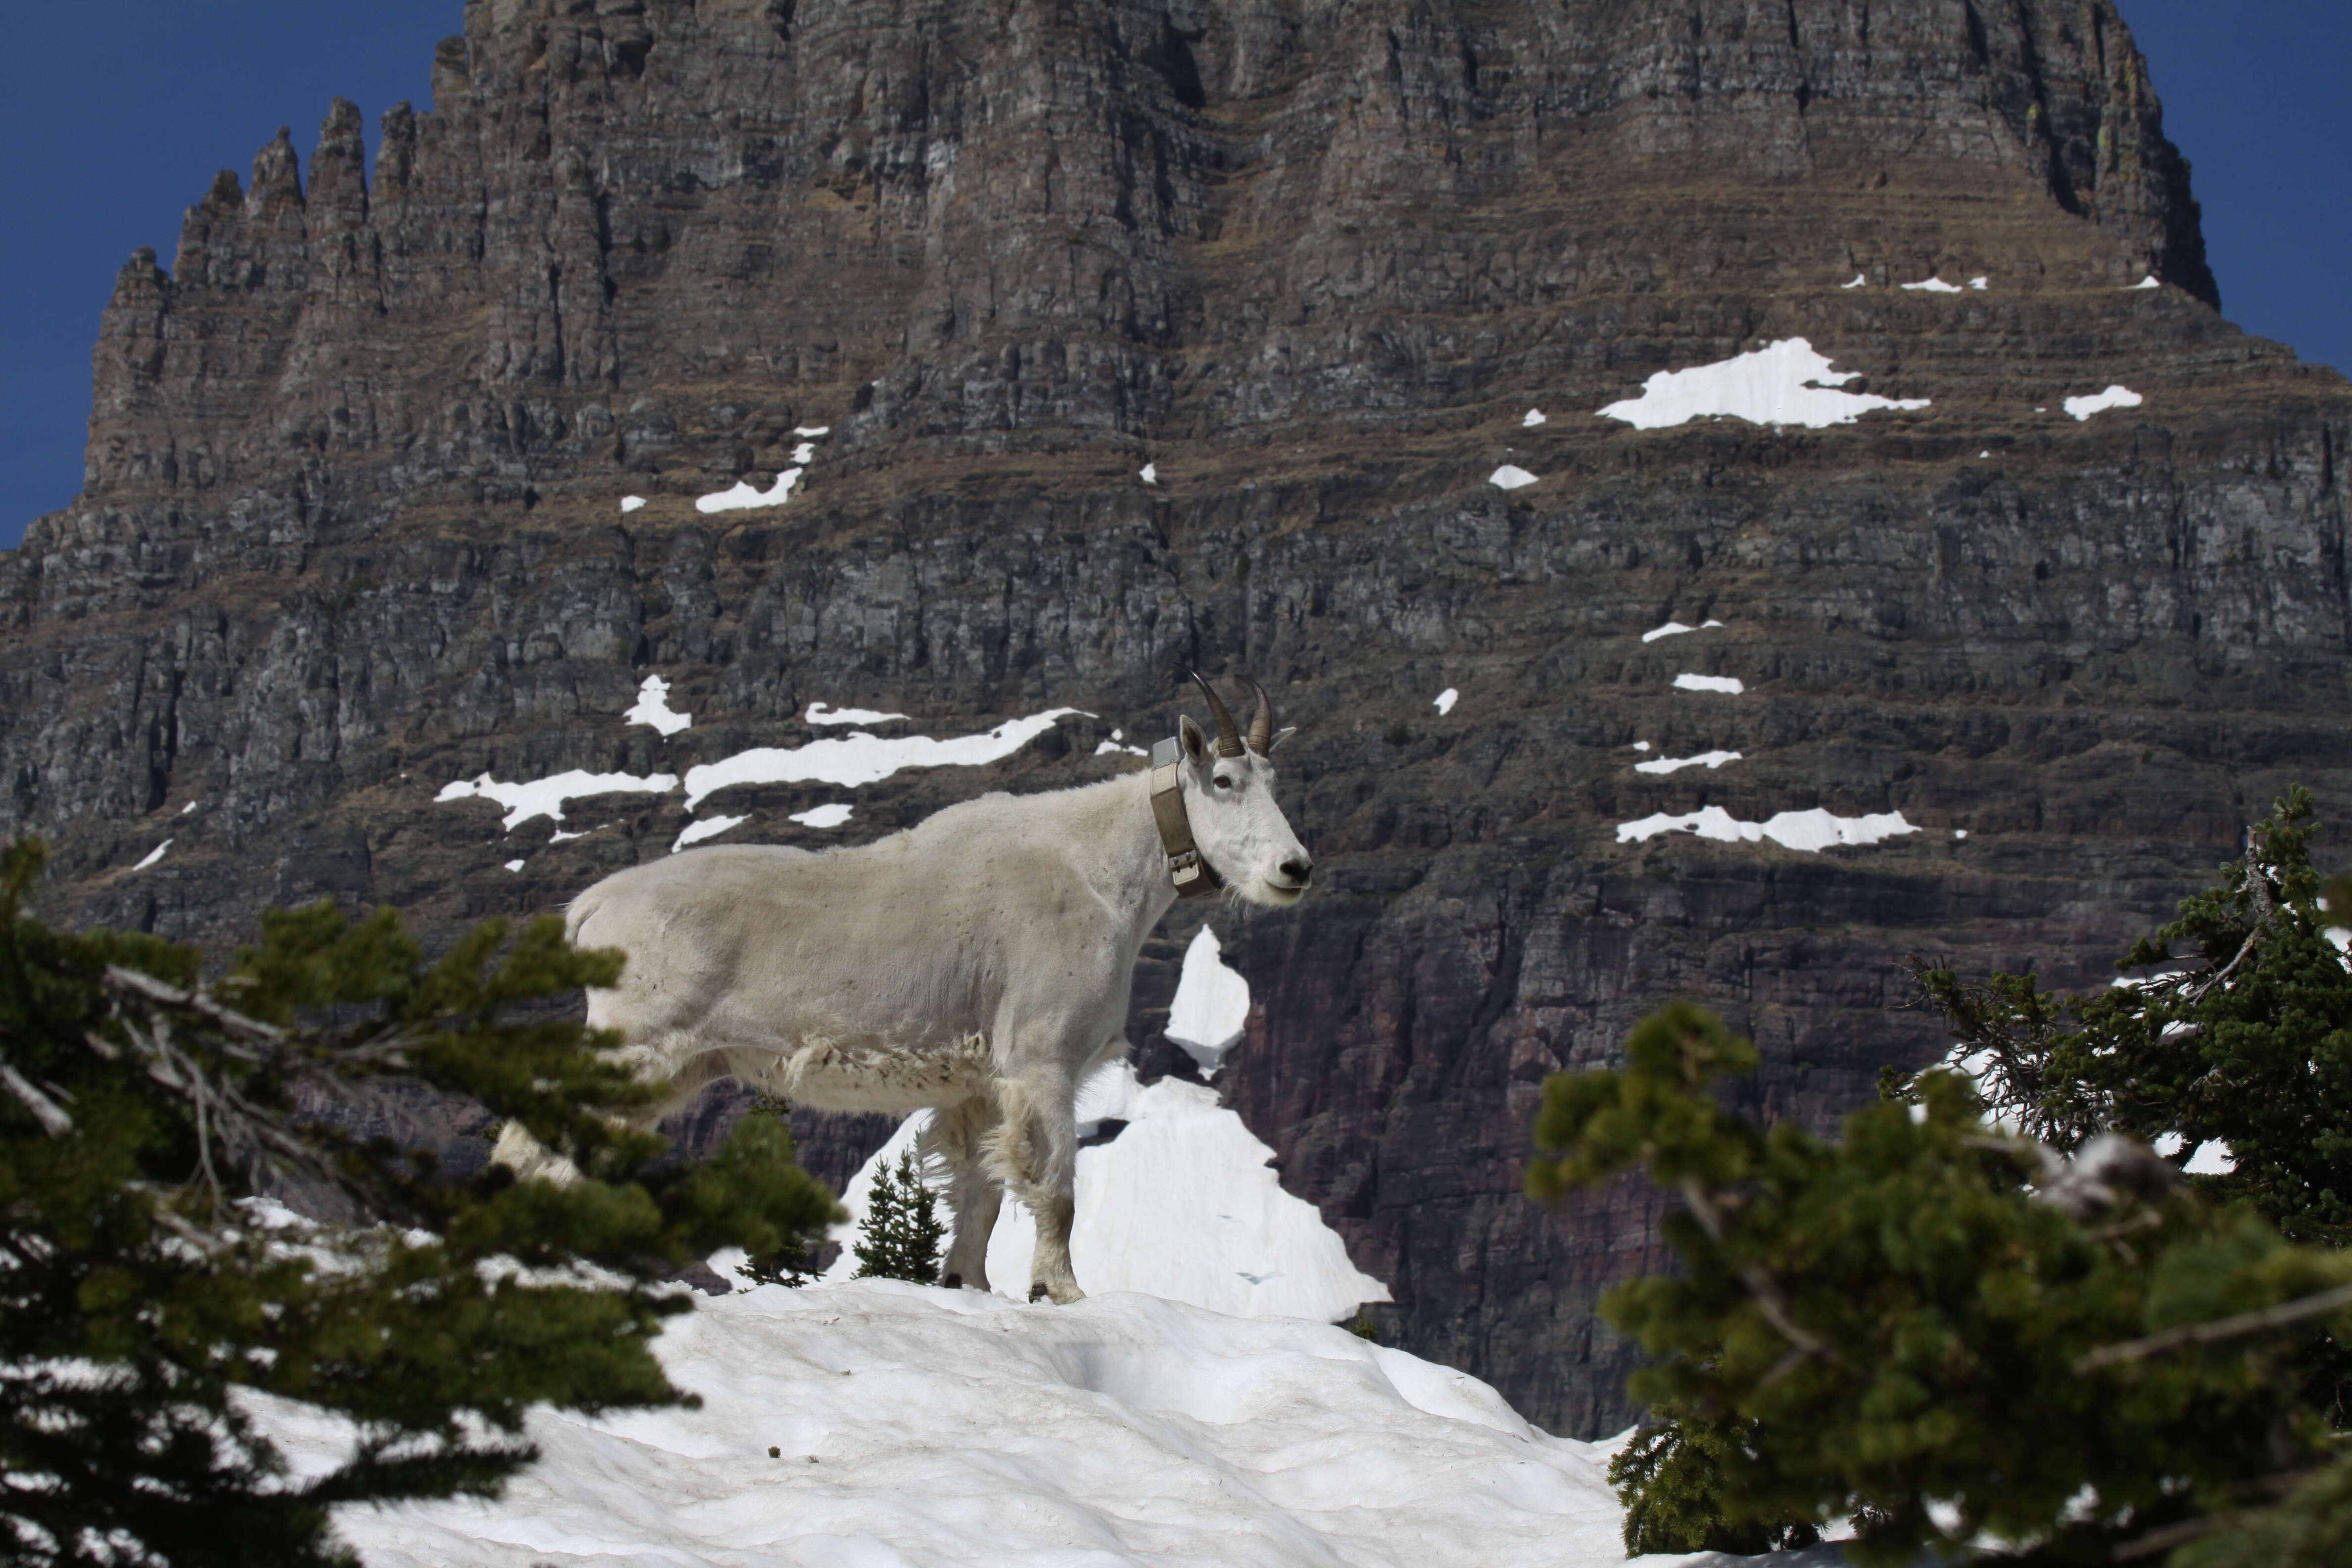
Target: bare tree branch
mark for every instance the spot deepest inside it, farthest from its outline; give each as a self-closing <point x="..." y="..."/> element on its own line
<point x="52" y="1116"/>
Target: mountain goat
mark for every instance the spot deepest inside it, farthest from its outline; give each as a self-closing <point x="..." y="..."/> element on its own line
<point x="977" y="963"/>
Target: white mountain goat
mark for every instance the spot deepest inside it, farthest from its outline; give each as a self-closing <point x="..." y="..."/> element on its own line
<point x="977" y="963"/>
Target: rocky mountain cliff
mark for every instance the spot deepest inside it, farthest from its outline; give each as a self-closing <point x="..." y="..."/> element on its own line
<point x="353" y="526"/>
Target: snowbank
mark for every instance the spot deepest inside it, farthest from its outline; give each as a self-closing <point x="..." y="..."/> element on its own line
<point x="1729" y="685"/>
<point x="1510" y="476"/>
<point x="1175" y="1199"/>
<point x="914" y="1426"/>
<point x="1813" y="830"/>
<point x="1785" y="382"/>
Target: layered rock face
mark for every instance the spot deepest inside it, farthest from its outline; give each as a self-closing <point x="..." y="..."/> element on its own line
<point x="352" y="530"/>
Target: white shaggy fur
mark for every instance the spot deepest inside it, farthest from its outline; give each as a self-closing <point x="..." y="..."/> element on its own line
<point x="978" y="963"/>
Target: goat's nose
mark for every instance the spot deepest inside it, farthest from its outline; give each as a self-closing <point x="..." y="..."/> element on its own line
<point x="1299" y="868"/>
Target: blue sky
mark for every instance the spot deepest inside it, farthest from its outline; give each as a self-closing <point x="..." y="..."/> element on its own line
<point x="115" y="113"/>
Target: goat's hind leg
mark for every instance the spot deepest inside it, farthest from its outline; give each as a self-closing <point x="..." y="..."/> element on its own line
<point x="1036" y="1153"/>
<point x="959" y="1138"/>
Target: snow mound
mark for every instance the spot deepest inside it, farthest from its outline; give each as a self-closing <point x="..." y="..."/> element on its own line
<point x="832" y="814"/>
<point x="1861" y="280"/>
<point x="1175" y="1199"/>
<point x="1813" y="831"/>
<point x="1932" y="286"/>
<point x="155" y="853"/>
<point x="916" y="1425"/>
<point x="1445" y="700"/>
<point x="1148" y="473"/>
<point x="1729" y="685"/>
<point x="1784" y="382"/>
<point x="1535" y="416"/>
<point x="1510" y="476"/>
<point x="2116" y="396"/>
<point x="653" y="708"/>
<point x="631" y="503"/>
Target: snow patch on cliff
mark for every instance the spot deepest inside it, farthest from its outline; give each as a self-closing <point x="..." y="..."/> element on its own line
<point x="1813" y="831"/>
<point x="1709" y="760"/>
<point x="859" y="758"/>
<point x="743" y="494"/>
<point x="527" y="798"/>
<point x="709" y="827"/>
<point x="1783" y="382"/>
<point x="2116" y="396"/>
<point x="1212" y="1004"/>
<point x="653" y="708"/>
<point x="818" y="713"/>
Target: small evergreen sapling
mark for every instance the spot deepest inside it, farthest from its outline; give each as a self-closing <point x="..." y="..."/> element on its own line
<point x="900" y="1238"/>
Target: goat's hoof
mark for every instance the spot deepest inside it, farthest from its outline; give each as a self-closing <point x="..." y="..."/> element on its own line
<point x="1037" y="1291"/>
<point x="953" y="1281"/>
<point x="1063" y="1295"/>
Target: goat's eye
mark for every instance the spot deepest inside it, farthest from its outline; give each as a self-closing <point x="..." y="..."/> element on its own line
<point x="1224" y="783"/>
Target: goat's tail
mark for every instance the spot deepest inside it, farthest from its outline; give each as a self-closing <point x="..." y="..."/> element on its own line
<point x="578" y="913"/>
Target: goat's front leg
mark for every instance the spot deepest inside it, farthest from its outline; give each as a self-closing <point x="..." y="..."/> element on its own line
<point x="1036" y="1153"/>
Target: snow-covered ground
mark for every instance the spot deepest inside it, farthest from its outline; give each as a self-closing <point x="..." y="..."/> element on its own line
<point x="911" y="1426"/>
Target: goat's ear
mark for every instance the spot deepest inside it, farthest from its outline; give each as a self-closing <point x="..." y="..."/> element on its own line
<point x="1280" y="736"/>
<point x="1196" y="740"/>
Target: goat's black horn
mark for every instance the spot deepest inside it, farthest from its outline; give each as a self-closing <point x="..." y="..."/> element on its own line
<point x="1228" y="736"/>
<point x="1261" y="730"/>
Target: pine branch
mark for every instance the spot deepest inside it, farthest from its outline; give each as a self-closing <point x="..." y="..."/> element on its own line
<point x="2231" y="1328"/>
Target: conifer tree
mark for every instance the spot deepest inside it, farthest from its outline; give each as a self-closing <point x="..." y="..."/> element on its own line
<point x="899" y="1237"/>
<point x="1898" y="1329"/>
<point x="142" y="1109"/>
<point x="2244" y="1039"/>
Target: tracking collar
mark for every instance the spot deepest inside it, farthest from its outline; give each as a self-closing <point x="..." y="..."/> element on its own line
<point x="1194" y="876"/>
